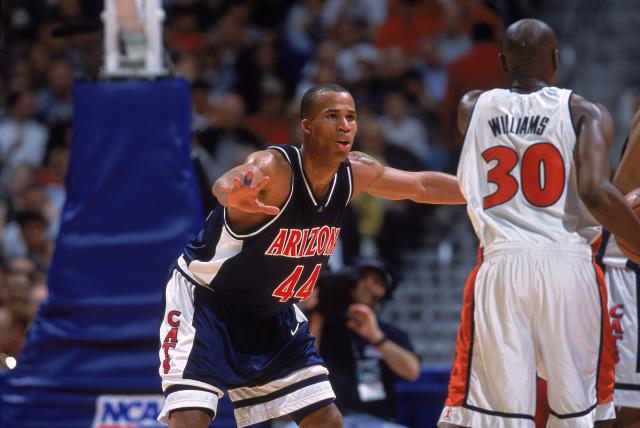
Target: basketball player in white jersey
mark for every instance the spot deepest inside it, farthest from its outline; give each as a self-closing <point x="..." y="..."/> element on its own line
<point x="534" y="171"/>
<point x="622" y="277"/>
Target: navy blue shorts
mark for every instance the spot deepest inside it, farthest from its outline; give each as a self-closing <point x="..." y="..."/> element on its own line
<point x="269" y="366"/>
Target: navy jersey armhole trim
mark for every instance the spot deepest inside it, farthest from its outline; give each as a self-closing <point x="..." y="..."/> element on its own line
<point x="350" y="181"/>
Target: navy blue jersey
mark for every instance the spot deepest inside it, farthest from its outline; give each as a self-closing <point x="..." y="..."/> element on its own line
<point x="278" y="263"/>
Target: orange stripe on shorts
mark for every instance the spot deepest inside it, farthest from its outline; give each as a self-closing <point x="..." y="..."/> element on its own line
<point x="459" y="372"/>
<point x="606" y="375"/>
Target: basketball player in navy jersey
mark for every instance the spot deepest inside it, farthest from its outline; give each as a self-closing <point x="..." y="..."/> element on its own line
<point x="230" y="321"/>
<point x="535" y="171"/>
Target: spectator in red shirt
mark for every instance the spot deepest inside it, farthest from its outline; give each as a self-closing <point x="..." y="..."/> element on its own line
<point x="408" y="21"/>
<point x="479" y="69"/>
<point x="270" y="123"/>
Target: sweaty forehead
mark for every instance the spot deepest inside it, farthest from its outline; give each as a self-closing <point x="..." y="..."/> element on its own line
<point x="333" y="101"/>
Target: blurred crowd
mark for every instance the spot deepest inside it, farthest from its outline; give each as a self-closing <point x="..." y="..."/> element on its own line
<point x="248" y="62"/>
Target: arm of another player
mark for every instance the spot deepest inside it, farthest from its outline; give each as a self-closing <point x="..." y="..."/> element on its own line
<point x="594" y="128"/>
<point x="627" y="175"/>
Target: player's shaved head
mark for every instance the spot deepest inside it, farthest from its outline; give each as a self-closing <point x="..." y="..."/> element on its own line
<point x="529" y="50"/>
<point x="312" y="94"/>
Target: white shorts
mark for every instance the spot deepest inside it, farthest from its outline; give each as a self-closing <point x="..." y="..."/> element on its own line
<point x="531" y="310"/>
<point x="622" y="287"/>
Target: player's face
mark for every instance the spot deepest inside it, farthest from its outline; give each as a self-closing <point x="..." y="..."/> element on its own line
<point x="331" y="127"/>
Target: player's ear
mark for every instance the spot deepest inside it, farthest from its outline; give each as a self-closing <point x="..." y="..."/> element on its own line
<point x="556" y="60"/>
<point x="503" y="61"/>
<point x="305" y="124"/>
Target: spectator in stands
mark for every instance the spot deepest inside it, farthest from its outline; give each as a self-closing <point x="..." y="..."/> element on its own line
<point x="355" y="51"/>
<point x="473" y="12"/>
<point x="23" y="139"/>
<point x="402" y="129"/>
<point x="453" y="41"/>
<point x="228" y="141"/>
<point x="257" y="66"/>
<point x="15" y="288"/>
<point x="201" y="107"/>
<point x="14" y="321"/>
<point x="431" y="68"/>
<point x="479" y="69"/>
<point x="407" y="22"/>
<point x="325" y="55"/>
<point x="365" y="355"/>
<point x="371" y="13"/>
<point x="370" y="210"/>
<point x="38" y="294"/>
<point x="271" y="123"/>
<point x="303" y="27"/>
<point x="54" y="101"/>
<point x="33" y="228"/>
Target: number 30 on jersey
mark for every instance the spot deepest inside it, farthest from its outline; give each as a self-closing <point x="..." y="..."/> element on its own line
<point x="542" y="175"/>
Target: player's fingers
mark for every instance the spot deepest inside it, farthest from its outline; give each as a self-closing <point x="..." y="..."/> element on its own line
<point x="248" y="178"/>
<point x="268" y="209"/>
<point x="263" y="182"/>
<point x="226" y="189"/>
<point x="237" y="182"/>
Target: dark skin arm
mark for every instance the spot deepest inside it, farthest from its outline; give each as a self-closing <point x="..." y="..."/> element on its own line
<point x="594" y="128"/>
<point x="465" y="108"/>
<point x="627" y="175"/>
<point x="429" y="187"/>
<point x="254" y="191"/>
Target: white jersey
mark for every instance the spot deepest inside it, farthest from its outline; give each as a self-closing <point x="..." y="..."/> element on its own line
<point x="517" y="172"/>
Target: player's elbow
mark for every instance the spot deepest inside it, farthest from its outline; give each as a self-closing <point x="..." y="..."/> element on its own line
<point x="593" y="195"/>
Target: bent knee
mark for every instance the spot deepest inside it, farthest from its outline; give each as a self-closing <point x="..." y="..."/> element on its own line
<point x="327" y="417"/>
<point x="190" y="418"/>
<point x="334" y="418"/>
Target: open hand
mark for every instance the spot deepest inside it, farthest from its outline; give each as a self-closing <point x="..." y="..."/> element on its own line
<point x="242" y="193"/>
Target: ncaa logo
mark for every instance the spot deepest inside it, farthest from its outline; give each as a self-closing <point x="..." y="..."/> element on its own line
<point x="128" y="411"/>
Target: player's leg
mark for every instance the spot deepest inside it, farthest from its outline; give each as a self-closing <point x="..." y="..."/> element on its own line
<point x="574" y="343"/>
<point x="622" y="286"/>
<point x="191" y="398"/>
<point x="190" y="418"/>
<point x="292" y="381"/>
<point x="328" y="416"/>
<point x="627" y="417"/>
<point x="492" y="382"/>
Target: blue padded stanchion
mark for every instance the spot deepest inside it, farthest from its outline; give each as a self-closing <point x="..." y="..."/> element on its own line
<point x="91" y="358"/>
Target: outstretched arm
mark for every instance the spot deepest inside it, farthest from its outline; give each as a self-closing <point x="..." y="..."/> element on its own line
<point x="627" y="175"/>
<point x="372" y="177"/>
<point x="594" y="128"/>
<point x="253" y="191"/>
